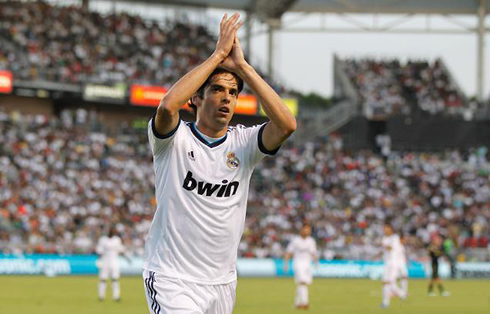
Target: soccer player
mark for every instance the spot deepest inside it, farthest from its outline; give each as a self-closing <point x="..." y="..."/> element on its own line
<point x="401" y="265"/>
<point x="109" y="247"/>
<point x="202" y="174"/>
<point x="390" y="244"/>
<point x="436" y="250"/>
<point x="303" y="250"/>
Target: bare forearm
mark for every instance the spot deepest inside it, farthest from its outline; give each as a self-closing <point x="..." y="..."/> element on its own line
<point x="286" y="262"/>
<point x="184" y="89"/>
<point x="270" y="101"/>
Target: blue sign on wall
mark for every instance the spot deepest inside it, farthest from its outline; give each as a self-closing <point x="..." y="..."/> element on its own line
<point x="50" y="265"/>
<point x="350" y="269"/>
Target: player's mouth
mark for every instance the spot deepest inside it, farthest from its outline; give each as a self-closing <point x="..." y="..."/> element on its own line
<point x="224" y="110"/>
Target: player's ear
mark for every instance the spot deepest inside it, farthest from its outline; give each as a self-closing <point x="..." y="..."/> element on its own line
<point x="196" y="100"/>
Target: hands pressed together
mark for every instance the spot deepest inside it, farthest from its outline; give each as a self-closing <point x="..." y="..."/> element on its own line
<point x="228" y="46"/>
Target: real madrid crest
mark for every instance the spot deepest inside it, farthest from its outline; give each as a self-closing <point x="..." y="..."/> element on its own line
<point x="232" y="161"/>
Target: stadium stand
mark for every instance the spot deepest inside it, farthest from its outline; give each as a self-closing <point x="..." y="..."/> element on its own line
<point x="67" y="44"/>
<point x="64" y="180"/>
<point x="390" y="87"/>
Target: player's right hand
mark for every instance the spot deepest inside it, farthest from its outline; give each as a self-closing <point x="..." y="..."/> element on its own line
<point x="227" y="32"/>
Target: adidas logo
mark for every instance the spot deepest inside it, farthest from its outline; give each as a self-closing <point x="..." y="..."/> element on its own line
<point x="191" y="155"/>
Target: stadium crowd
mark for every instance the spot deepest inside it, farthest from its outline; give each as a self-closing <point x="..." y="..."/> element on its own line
<point x="392" y="87"/>
<point x="67" y="44"/>
<point x="72" y="45"/>
<point x="64" y="181"/>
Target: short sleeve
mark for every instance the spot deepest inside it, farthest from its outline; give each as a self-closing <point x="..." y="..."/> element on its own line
<point x="100" y="246"/>
<point x="254" y="143"/>
<point x="159" y="142"/>
<point x="290" y="248"/>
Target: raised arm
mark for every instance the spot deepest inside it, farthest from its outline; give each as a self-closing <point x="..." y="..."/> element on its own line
<point x="282" y="122"/>
<point x="167" y="116"/>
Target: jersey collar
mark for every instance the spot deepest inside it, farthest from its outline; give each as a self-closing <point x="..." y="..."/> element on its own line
<point x="203" y="140"/>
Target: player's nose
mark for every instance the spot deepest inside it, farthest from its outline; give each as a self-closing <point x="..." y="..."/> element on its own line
<point x="226" y="97"/>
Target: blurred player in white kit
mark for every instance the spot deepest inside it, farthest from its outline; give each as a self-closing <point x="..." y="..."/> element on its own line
<point x="109" y="247"/>
<point x="401" y="265"/>
<point x="391" y="245"/>
<point x="303" y="250"/>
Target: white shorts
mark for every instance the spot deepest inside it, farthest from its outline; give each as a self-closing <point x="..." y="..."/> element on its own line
<point x="390" y="273"/>
<point x="106" y="270"/>
<point x="303" y="274"/>
<point x="171" y="295"/>
<point x="401" y="271"/>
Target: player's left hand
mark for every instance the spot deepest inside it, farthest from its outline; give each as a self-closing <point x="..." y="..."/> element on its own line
<point x="236" y="59"/>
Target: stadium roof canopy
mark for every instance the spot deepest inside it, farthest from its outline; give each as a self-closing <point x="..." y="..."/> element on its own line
<point x="341" y="6"/>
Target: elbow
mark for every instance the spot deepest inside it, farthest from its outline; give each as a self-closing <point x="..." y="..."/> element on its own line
<point x="165" y="107"/>
<point x="290" y="127"/>
<point x="164" y="104"/>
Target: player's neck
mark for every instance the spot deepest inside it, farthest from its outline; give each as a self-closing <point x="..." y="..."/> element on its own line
<point x="208" y="130"/>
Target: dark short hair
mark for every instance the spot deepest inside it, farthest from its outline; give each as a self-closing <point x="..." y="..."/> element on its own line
<point x="200" y="91"/>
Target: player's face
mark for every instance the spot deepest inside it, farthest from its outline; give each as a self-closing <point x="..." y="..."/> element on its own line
<point x="220" y="99"/>
<point x="387" y="230"/>
<point x="305" y="231"/>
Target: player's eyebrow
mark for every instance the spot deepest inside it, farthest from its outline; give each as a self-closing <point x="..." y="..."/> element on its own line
<point x="232" y="89"/>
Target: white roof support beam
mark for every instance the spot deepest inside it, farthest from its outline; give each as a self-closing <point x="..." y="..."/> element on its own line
<point x="480" y="64"/>
<point x="273" y="26"/>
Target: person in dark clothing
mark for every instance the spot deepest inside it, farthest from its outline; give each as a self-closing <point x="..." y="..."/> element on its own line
<point x="435" y="251"/>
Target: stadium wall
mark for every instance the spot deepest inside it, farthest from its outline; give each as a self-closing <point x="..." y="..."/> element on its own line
<point x="53" y="265"/>
<point x="436" y="133"/>
<point x="111" y="115"/>
<point x="417" y="134"/>
<point x="27" y="105"/>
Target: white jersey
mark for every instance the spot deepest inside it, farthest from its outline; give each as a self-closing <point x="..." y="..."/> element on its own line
<point x="109" y="249"/>
<point x="201" y="192"/>
<point x="400" y="255"/>
<point x="302" y="249"/>
<point x="390" y="246"/>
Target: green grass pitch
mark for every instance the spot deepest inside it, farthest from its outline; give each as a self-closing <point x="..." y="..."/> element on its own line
<point x="76" y="295"/>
